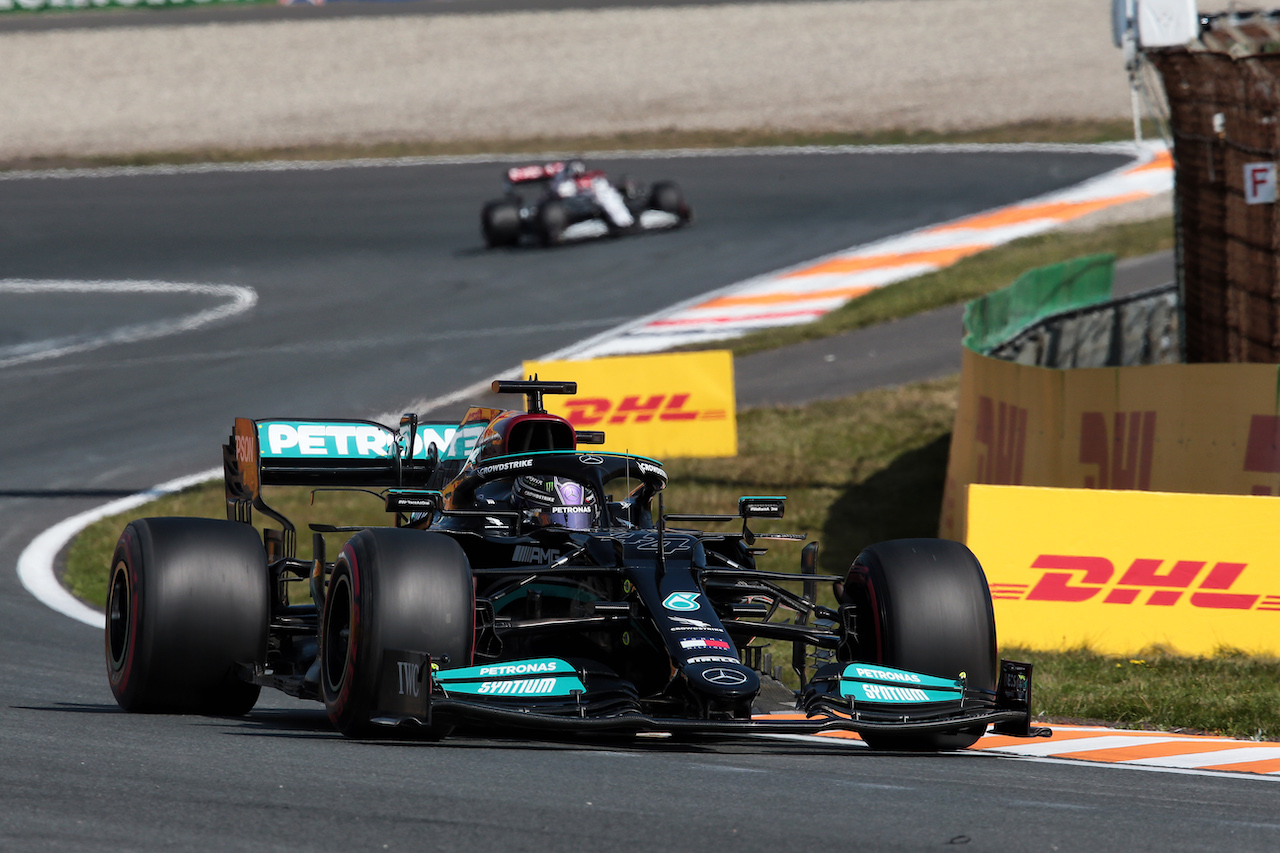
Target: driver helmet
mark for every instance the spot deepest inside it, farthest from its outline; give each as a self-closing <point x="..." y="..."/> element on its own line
<point x="555" y="500"/>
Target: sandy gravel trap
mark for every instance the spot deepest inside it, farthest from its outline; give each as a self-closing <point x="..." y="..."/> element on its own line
<point x="854" y="66"/>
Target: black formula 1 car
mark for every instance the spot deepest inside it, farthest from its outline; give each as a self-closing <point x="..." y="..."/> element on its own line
<point x="566" y="201"/>
<point x="531" y="583"/>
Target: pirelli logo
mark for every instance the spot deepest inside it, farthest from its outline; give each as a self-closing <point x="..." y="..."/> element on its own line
<point x="637" y="409"/>
<point x="1141" y="582"/>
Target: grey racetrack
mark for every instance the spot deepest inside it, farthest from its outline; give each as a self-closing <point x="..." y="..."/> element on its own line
<point x="373" y="291"/>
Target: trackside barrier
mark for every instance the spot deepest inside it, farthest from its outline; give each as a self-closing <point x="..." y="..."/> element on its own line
<point x="992" y="319"/>
<point x="1141" y="328"/>
<point x="1208" y="428"/>
<point x="665" y="406"/>
<point x="1119" y="571"/>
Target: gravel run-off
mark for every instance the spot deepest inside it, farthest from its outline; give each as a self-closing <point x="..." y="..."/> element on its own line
<point x="840" y="66"/>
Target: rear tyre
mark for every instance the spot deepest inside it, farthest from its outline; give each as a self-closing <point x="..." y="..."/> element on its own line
<point x="500" y="223"/>
<point x="667" y="197"/>
<point x="552" y="219"/>
<point x="391" y="588"/>
<point x="188" y="602"/>
<point x="930" y="612"/>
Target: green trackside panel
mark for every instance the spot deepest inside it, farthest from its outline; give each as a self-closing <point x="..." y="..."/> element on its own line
<point x="992" y="319"/>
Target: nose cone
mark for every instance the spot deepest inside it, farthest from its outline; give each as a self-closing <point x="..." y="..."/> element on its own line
<point x="724" y="682"/>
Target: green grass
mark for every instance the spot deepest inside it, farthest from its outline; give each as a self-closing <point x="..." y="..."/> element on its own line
<point x="670" y="138"/>
<point x="967" y="279"/>
<point x="1229" y="693"/>
<point x="856" y="471"/>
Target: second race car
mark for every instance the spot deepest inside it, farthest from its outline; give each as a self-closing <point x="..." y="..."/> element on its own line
<point x="564" y="200"/>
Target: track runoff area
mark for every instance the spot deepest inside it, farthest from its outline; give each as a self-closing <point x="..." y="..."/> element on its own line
<point x="801" y="294"/>
<point x="805" y="292"/>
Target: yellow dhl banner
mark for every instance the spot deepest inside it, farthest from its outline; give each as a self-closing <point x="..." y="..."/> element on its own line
<point x="1119" y="571"/>
<point x="663" y="406"/>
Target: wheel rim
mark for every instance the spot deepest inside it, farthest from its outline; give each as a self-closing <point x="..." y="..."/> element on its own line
<point x="337" y="633"/>
<point x="119" y="616"/>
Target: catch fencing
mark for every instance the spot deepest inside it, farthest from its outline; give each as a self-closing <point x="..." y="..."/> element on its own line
<point x="1224" y="97"/>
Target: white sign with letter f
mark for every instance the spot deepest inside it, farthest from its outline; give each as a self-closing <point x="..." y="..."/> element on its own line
<point x="1259" y="183"/>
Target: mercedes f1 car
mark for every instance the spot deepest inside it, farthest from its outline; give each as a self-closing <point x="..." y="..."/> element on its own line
<point x="568" y="201"/>
<point x="528" y="582"/>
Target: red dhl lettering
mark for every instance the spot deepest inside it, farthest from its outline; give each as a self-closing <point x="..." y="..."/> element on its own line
<point x="1002" y="429"/>
<point x="1148" y="582"/>
<point x="636" y="408"/>
<point x="1262" y="451"/>
<point x="1123" y="458"/>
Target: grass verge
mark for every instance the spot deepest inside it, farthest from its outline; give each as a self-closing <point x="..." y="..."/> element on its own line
<point x="1229" y="693"/>
<point x="1082" y="132"/>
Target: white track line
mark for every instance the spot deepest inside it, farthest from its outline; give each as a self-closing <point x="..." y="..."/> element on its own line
<point x="480" y="159"/>
<point x="238" y="299"/>
<point x="35" y="563"/>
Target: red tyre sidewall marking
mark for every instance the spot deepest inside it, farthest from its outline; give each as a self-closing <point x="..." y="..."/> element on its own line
<point x="344" y="695"/>
<point x="864" y="574"/>
<point x="472" y="656"/>
<point x="120" y="679"/>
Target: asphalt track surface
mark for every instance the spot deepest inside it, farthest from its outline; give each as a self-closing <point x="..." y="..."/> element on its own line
<point x="372" y="291"/>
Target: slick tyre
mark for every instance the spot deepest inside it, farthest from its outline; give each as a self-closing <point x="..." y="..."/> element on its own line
<point x="929" y="611"/>
<point x="667" y="197"/>
<point x="391" y="589"/>
<point x="552" y="219"/>
<point x="188" y="603"/>
<point x="500" y="223"/>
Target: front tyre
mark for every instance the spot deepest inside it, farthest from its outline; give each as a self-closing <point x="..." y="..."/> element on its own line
<point x="391" y="589"/>
<point x="188" y="603"/>
<point x="930" y="612"/>
<point x="500" y="223"/>
<point x="667" y="197"/>
<point x="551" y="220"/>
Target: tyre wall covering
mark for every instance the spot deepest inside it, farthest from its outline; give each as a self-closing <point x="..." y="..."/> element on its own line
<point x="1209" y="428"/>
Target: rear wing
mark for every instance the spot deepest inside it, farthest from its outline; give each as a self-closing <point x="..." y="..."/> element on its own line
<point x="533" y="173"/>
<point x="338" y="452"/>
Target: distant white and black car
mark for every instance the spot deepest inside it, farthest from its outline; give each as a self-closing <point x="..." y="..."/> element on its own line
<point x="563" y="200"/>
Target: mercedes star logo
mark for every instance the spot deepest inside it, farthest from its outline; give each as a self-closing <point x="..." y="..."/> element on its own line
<point x="724" y="677"/>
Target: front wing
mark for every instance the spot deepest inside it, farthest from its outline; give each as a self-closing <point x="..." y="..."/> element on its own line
<point x="409" y="694"/>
